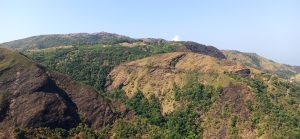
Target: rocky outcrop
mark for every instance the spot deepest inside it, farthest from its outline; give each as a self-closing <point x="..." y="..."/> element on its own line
<point x="242" y="72"/>
<point x="32" y="97"/>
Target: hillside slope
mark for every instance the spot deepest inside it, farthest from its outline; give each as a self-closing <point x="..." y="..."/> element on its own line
<point x="261" y="63"/>
<point x="214" y="98"/>
<point x="157" y="74"/>
<point x="32" y="97"/>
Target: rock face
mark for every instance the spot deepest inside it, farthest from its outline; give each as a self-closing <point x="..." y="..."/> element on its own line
<point x="32" y="97"/>
<point x="242" y="72"/>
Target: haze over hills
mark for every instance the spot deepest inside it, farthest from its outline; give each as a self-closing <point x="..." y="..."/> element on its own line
<point x="149" y="88"/>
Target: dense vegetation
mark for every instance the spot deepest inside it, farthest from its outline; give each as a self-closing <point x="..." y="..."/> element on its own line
<point x="276" y="111"/>
<point x="182" y="123"/>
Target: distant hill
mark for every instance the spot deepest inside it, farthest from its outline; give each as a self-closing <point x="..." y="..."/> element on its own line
<point x="46" y="41"/>
<point x="109" y="39"/>
<point x="261" y="63"/>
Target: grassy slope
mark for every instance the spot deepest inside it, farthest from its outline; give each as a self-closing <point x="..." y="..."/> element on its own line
<point x="13" y="59"/>
<point x="261" y="63"/>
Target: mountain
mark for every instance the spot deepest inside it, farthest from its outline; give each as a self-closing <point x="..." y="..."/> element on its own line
<point x="33" y="97"/>
<point x="153" y="88"/>
<point x="261" y="63"/>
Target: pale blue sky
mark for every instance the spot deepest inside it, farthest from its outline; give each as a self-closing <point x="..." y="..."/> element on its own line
<point x="268" y="27"/>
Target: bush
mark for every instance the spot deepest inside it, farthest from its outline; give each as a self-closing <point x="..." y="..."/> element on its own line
<point x="146" y="108"/>
<point x="19" y="133"/>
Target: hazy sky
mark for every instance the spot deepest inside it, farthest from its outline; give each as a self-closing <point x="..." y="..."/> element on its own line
<point x="268" y="27"/>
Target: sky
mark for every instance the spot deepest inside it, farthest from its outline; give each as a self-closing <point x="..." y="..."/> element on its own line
<point x="270" y="28"/>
